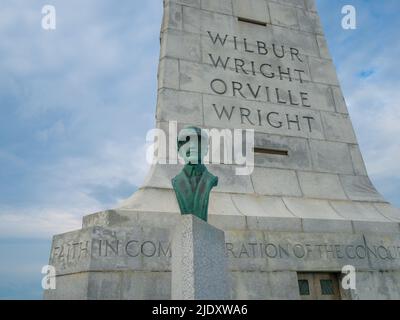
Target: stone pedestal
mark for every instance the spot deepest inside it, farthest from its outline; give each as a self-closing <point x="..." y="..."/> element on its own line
<point x="199" y="262"/>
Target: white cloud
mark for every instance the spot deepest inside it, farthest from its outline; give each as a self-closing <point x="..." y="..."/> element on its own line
<point x="82" y="98"/>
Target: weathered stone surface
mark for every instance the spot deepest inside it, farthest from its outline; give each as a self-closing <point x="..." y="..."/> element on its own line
<point x="251" y="9"/>
<point x="310" y="22"/>
<point x="177" y="103"/>
<point x="265" y="285"/>
<point x="223" y="6"/>
<point x="377" y="286"/>
<point x="134" y="262"/>
<point x="358" y="211"/>
<point x="321" y="185"/>
<point x="199" y="265"/>
<point x="181" y="45"/>
<point x="276" y="182"/>
<point x="298" y="149"/>
<point x="358" y="162"/>
<point x="168" y="74"/>
<point x="388" y="211"/>
<point x="338" y="127"/>
<point x="173" y="17"/>
<point x="283" y="15"/>
<point x="311" y="209"/>
<point x="331" y="157"/>
<point x="360" y="188"/>
<point x="323" y="71"/>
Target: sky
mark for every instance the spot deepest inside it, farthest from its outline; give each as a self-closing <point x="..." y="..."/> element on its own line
<point x="77" y="103"/>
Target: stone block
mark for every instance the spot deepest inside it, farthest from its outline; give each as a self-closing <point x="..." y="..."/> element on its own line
<point x="251" y="9"/>
<point x="245" y="250"/>
<point x="327" y="226"/>
<point x="110" y="218"/>
<point x="303" y="41"/>
<point x="265" y="286"/>
<point x="338" y="127"/>
<point x="180" y="106"/>
<point x="190" y="3"/>
<point x="321" y="185"/>
<point x="74" y="287"/>
<point x="105" y="286"/>
<point x="157" y="219"/>
<point x="298" y="151"/>
<point x="377" y="286"/>
<point x="358" y="162"/>
<point x="168" y="74"/>
<point x="388" y="211"/>
<point x="341" y="106"/>
<point x="199" y="264"/>
<point x="310" y="22"/>
<point x="227" y="222"/>
<point x="331" y="157"/>
<point x="323" y="47"/>
<point x="283" y="15"/>
<point x="181" y="45"/>
<point x="222" y="204"/>
<point x="261" y="206"/>
<point x="221" y="6"/>
<point x="376" y="227"/>
<point x="323" y="71"/>
<point x="360" y="188"/>
<point x="172" y="18"/>
<point x="161" y="174"/>
<point x="274" y="224"/>
<point x="311" y="209"/>
<point x="228" y="181"/>
<point x="291" y="3"/>
<point x="310" y="5"/>
<point x="358" y="211"/>
<point x="192" y="20"/>
<point x="146" y="286"/>
<point x="275" y="182"/>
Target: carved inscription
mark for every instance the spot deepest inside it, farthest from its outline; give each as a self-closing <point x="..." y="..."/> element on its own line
<point x="76" y="251"/>
<point x="268" y="78"/>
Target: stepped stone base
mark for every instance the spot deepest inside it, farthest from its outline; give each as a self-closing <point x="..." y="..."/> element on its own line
<point x="126" y="254"/>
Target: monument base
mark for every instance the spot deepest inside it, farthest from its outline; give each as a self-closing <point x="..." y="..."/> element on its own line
<point x="121" y="254"/>
<point x="199" y="264"/>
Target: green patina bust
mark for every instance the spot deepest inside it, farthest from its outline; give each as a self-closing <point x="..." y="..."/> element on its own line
<point x="194" y="183"/>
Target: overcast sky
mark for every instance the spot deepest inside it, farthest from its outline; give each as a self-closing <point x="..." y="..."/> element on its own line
<point x="77" y="103"/>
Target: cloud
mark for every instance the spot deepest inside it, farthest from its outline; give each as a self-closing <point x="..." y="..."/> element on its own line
<point x="75" y="187"/>
<point x="76" y="105"/>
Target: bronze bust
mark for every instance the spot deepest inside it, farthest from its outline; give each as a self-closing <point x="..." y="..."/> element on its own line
<point x="194" y="183"/>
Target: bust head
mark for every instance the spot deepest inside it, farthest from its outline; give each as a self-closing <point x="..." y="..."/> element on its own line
<point x="192" y="145"/>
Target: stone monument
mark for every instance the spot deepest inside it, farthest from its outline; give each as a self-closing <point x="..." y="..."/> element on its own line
<point x="199" y="264"/>
<point x="307" y="212"/>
